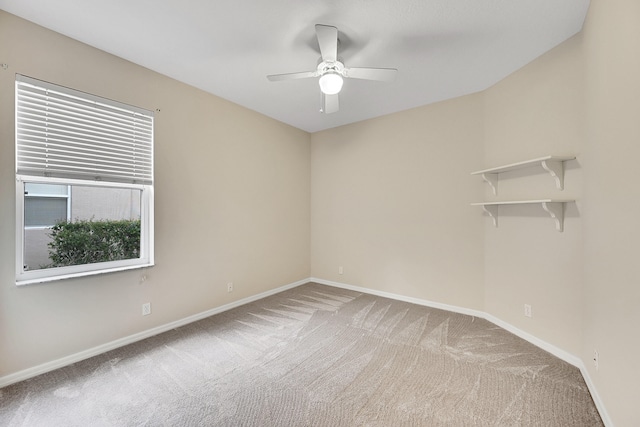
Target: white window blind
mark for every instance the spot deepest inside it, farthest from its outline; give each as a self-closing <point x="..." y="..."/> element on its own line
<point x="65" y="133"/>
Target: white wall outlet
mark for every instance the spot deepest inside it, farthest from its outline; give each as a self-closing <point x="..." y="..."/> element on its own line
<point x="596" y="359"/>
<point x="340" y="270"/>
<point x="527" y="310"/>
<point x="146" y="309"/>
<point x="230" y="287"/>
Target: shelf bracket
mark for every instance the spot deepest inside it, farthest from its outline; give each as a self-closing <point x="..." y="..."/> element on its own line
<point x="556" y="169"/>
<point x="492" y="211"/>
<point x="492" y="180"/>
<point x="556" y="210"/>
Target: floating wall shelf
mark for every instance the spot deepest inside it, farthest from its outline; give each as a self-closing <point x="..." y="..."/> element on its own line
<point x="552" y="164"/>
<point x="555" y="208"/>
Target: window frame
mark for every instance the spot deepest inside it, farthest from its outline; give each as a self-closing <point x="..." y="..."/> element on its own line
<point x="146" y="259"/>
<point x="145" y="186"/>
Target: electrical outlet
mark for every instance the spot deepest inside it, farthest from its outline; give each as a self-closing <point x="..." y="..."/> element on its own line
<point x="230" y="287"/>
<point x="527" y="310"/>
<point x="146" y="309"/>
<point x="596" y="359"/>
<point x="340" y="270"/>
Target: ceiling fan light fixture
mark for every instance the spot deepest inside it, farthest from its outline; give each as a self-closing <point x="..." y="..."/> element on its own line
<point x="330" y="83"/>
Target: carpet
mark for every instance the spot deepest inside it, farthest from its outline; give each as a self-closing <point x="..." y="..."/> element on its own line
<point x="313" y="356"/>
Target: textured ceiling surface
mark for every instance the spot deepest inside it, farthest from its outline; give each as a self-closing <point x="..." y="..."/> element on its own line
<point x="441" y="48"/>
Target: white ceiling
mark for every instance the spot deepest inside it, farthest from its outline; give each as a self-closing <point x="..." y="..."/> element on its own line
<point x="442" y="48"/>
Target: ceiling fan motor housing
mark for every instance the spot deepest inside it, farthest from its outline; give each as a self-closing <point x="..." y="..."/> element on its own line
<point x="336" y="67"/>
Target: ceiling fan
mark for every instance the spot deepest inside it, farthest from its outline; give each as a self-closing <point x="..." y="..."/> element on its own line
<point x="331" y="71"/>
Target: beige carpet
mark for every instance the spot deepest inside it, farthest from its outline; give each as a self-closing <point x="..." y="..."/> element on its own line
<point x="313" y="356"/>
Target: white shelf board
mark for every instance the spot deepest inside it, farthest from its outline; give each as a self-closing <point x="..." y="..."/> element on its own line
<point x="522" y="202"/>
<point x="554" y="207"/>
<point x="524" y="164"/>
<point x="552" y="164"/>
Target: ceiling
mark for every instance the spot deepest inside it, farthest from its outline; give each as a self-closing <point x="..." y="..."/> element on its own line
<point x="441" y="48"/>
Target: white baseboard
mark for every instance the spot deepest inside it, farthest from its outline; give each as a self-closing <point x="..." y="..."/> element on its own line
<point x="606" y="419"/>
<point x="558" y="352"/>
<point x="399" y="297"/>
<point x="85" y="354"/>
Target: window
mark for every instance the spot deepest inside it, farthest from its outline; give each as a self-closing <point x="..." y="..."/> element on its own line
<point x="45" y="204"/>
<point x="84" y="184"/>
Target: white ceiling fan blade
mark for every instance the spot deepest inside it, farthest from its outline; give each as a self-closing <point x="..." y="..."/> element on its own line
<point x="381" y="74"/>
<point x="292" y="76"/>
<point x="328" y="41"/>
<point x="330" y="103"/>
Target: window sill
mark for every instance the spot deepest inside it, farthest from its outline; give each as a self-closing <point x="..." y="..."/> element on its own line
<point x="80" y="274"/>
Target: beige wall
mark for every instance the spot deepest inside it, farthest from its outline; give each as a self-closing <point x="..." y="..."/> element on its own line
<point x="231" y="204"/>
<point x="535" y="112"/>
<point x="390" y="203"/>
<point x="611" y="220"/>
